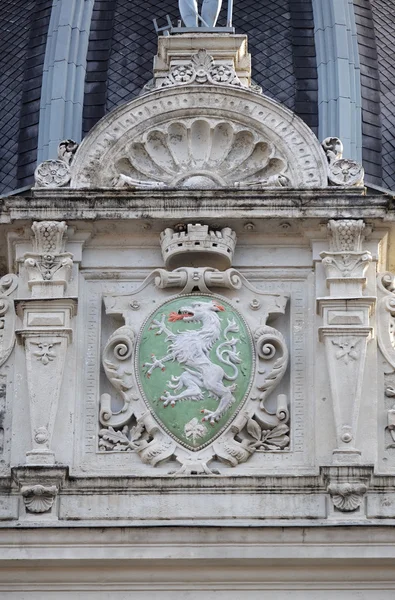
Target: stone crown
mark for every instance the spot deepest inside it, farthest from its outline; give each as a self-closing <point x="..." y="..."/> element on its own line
<point x="197" y="245"/>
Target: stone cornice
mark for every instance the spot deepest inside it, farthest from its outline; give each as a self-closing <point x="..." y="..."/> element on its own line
<point x="174" y="204"/>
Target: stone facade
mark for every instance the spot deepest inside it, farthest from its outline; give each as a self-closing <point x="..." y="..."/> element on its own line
<point x="197" y="353"/>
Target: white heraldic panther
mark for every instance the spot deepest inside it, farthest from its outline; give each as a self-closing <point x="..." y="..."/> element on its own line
<point x="191" y="349"/>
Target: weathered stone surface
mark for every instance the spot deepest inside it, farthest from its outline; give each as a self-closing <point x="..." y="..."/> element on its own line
<point x="231" y="366"/>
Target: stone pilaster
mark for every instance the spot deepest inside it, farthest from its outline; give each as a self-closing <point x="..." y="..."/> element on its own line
<point x="46" y="332"/>
<point x="346" y="329"/>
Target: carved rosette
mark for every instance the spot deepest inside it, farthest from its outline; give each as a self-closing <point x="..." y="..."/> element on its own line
<point x="8" y="285"/>
<point x="346" y="326"/>
<point x="135" y="427"/>
<point x="342" y="171"/>
<point x="201" y="69"/>
<point x="56" y="173"/>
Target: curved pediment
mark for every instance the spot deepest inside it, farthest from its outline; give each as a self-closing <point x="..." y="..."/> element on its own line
<point x="201" y="137"/>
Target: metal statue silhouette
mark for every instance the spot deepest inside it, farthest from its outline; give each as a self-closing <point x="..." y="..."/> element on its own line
<point x="208" y="17"/>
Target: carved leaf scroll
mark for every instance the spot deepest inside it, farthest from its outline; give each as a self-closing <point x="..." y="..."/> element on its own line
<point x="8" y="284"/>
<point x="118" y="366"/>
<point x="386" y="317"/>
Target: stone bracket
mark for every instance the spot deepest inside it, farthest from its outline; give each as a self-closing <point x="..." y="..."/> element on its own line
<point x="347" y="487"/>
<point x="39" y="488"/>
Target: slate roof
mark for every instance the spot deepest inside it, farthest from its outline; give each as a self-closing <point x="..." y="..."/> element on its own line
<point x="123" y="43"/>
<point x="384" y="21"/>
<point x="14" y="37"/>
<point x="23" y="35"/>
<point x="370" y="91"/>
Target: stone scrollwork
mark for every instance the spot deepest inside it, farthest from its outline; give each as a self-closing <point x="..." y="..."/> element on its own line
<point x="346" y="265"/>
<point x="342" y="171"/>
<point x="144" y="426"/>
<point x="56" y="173"/>
<point x="118" y="366"/>
<point x="46" y="329"/>
<point x="255" y="430"/>
<point x="258" y="429"/>
<point x="271" y="346"/>
<point x="8" y="285"/>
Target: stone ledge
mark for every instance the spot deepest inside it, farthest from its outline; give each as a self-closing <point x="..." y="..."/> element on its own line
<point x="204" y="204"/>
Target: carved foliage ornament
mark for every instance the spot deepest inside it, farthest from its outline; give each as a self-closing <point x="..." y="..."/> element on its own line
<point x="201" y="69"/>
<point x="346" y="259"/>
<point x="8" y="285"/>
<point x="390" y="393"/>
<point x="48" y="266"/>
<point x="386" y="318"/>
<point x="192" y="378"/>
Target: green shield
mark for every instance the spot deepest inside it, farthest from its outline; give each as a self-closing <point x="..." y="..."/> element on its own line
<point x="195" y="362"/>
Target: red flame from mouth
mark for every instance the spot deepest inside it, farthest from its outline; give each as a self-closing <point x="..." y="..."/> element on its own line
<point x="173" y="316"/>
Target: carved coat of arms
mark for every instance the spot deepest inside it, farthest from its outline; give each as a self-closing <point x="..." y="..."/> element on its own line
<point x="202" y="367"/>
<point x="194" y="370"/>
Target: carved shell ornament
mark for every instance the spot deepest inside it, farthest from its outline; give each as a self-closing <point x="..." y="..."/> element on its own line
<point x="199" y="153"/>
<point x="39" y="498"/>
<point x="200" y="135"/>
<point x="347" y="497"/>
